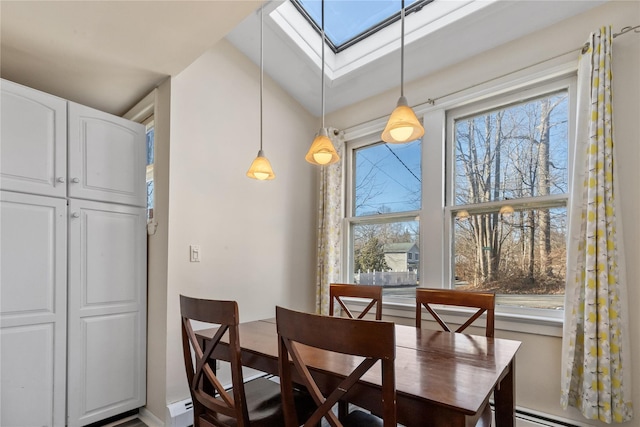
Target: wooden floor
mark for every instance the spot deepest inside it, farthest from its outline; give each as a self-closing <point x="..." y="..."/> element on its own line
<point x="132" y="423"/>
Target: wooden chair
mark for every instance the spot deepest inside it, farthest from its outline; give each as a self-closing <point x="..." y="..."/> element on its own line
<point x="373" y="293"/>
<point x="374" y="340"/>
<point x="484" y="302"/>
<point x="254" y="403"/>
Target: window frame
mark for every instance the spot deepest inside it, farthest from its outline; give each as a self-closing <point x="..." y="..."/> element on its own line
<point x="554" y="200"/>
<point x="350" y="219"/>
<point x="436" y="229"/>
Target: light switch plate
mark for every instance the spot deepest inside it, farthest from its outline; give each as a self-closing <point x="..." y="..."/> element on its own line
<point x="194" y="253"/>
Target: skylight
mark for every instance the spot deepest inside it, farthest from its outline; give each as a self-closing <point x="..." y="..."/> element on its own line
<point x="346" y="22"/>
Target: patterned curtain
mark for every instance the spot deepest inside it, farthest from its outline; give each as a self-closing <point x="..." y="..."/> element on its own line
<point x="595" y="348"/>
<point x="330" y="216"/>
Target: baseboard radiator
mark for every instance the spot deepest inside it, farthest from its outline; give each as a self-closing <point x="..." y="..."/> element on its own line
<point x="181" y="413"/>
<point x="182" y="416"/>
<point x="528" y="418"/>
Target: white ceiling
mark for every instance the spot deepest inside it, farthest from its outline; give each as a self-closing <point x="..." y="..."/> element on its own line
<point x="109" y="54"/>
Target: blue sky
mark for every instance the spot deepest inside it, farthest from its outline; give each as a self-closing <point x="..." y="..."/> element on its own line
<point x="345" y="19"/>
<point x="388" y="178"/>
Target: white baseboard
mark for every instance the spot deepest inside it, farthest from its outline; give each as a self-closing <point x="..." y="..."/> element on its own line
<point x="149" y="419"/>
<point x="526" y="417"/>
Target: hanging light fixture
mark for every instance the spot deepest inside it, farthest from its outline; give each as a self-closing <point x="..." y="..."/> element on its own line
<point x="322" y="151"/>
<point x="261" y="168"/>
<point x="403" y="125"/>
<point x="506" y="210"/>
<point x="463" y="214"/>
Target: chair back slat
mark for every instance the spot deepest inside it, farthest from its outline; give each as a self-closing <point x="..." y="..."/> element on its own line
<point x="337" y="291"/>
<point x="373" y="340"/>
<point x="206" y="389"/>
<point x="484" y="301"/>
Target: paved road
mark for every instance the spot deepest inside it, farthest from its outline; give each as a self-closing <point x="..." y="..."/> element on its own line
<point x="554" y="302"/>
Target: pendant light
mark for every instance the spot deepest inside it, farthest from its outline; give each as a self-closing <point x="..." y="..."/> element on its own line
<point x="322" y="151"/>
<point x="261" y="168"/>
<point x="403" y="125"/>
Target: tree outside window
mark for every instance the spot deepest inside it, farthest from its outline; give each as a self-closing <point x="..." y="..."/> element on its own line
<point x="386" y="199"/>
<point x="509" y="200"/>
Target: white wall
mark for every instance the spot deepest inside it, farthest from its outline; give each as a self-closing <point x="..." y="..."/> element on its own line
<point x="257" y="239"/>
<point x="157" y="249"/>
<point x="538" y="361"/>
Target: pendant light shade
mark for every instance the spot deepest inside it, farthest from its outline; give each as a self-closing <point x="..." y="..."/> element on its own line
<point x="506" y="210"/>
<point x="261" y="167"/>
<point x="403" y="125"/>
<point x="322" y="152"/>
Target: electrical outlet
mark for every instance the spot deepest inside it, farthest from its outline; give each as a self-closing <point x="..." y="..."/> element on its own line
<point x="194" y="251"/>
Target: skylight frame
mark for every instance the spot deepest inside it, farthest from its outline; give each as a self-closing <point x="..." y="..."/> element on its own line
<point x="414" y="7"/>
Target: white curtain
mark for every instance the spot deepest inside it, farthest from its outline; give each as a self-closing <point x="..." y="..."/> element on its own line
<point x="595" y="347"/>
<point x="330" y="216"/>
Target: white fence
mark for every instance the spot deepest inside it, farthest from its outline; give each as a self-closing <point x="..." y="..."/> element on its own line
<point x="387" y="278"/>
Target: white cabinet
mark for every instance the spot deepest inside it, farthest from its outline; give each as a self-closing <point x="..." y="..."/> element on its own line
<point x="106" y="159"/>
<point x="73" y="306"/>
<point x="105" y="155"/>
<point x="107" y="310"/>
<point x="33" y="138"/>
<point x="33" y="301"/>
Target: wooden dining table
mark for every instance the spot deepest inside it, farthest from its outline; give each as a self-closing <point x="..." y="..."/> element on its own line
<point x="442" y="378"/>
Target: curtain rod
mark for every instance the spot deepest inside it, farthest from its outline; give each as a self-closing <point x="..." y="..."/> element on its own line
<point x="432" y="101"/>
<point x="583" y="48"/>
<point x="624" y="30"/>
<point x="635" y="29"/>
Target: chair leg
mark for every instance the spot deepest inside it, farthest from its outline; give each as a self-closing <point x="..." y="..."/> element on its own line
<point x="343" y="409"/>
<point x="485" y="418"/>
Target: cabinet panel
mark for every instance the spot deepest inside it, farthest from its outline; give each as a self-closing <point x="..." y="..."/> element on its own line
<point x="33" y="309"/>
<point x="33" y="153"/>
<point x="109" y="373"/>
<point x="106" y="157"/>
<point x="110" y="274"/>
<point x="28" y="376"/>
<point x="107" y="310"/>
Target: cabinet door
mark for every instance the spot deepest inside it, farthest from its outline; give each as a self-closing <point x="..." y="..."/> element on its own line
<point x="32" y="310"/>
<point x="107" y="311"/>
<point x="33" y="131"/>
<point x="107" y="157"/>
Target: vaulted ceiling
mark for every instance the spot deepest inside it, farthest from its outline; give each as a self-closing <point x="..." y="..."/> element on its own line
<point x="109" y="54"/>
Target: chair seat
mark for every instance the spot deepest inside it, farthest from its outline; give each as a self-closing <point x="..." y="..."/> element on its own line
<point x="357" y="418"/>
<point x="264" y="405"/>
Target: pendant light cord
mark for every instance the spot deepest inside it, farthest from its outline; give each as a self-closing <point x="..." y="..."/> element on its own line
<point x="402" y="49"/>
<point x="322" y="78"/>
<point x="261" y="67"/>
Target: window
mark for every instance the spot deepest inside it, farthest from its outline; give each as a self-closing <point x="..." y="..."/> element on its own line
<point x="150" y="134"/>
<point x="490" y="200"/>
<point x="348" y="22"/>
<point x="385" y="200"/>
<point x="508" y="198"/>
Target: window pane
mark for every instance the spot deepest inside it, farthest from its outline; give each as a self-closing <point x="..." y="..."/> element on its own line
<point x="345" y="20"/>
<point x="514" y="152"/>
<point x="521" y="256"/>
<point x="387" y="178"/>
<point x="387" y="254"/>
<point x="150" y="132"/>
